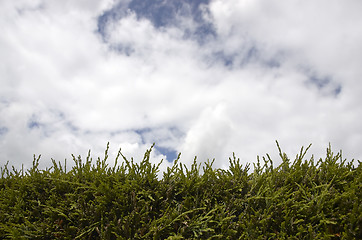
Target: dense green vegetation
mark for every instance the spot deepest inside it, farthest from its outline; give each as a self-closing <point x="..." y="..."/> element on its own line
<point x="300" y="199"/>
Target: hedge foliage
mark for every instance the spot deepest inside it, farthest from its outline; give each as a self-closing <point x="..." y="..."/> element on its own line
<point x="303" y="199"/>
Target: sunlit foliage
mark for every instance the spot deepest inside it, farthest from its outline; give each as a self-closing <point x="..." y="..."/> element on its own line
<point x="303" y="199"/>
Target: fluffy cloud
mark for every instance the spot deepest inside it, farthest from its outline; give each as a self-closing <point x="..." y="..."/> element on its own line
<point x="215" y="78"/>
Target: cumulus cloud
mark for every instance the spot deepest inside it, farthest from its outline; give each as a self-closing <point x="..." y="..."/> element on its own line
<point x="205" y="78"/>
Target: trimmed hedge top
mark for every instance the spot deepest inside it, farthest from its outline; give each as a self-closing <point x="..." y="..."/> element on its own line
<point x="296" y="200"/>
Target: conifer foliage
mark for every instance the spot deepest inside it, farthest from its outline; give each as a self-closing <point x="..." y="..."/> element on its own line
<point x="300" y="199"/>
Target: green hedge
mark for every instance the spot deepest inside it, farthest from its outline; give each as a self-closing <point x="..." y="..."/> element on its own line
<point x="303" y="199"/>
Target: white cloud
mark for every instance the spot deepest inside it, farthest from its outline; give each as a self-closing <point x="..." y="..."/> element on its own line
<point x="323" y="37"/>
<point x="82" y="89"/>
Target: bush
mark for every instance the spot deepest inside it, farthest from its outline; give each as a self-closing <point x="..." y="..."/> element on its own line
<point x="296" y="200"/>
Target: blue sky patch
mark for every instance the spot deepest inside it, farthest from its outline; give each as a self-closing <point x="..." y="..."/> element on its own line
<point x="161" y="14"/>
<point x="166" y="13"/>
<point x="113" y="14"/>
<point x="170" y="154"/>
<point x="151" y="135"/>
<point x="141" y="132"/>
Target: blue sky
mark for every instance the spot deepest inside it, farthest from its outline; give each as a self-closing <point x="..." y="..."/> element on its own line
<point x="205" y="78"/>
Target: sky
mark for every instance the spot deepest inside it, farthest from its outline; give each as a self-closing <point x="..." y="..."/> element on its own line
<point x="202" y="77"/>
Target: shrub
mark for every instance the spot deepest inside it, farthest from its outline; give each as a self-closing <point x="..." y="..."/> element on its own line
<point x="302" y="199"/>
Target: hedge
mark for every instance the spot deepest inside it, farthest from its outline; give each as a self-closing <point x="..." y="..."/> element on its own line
<point x="300" y="199"/>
